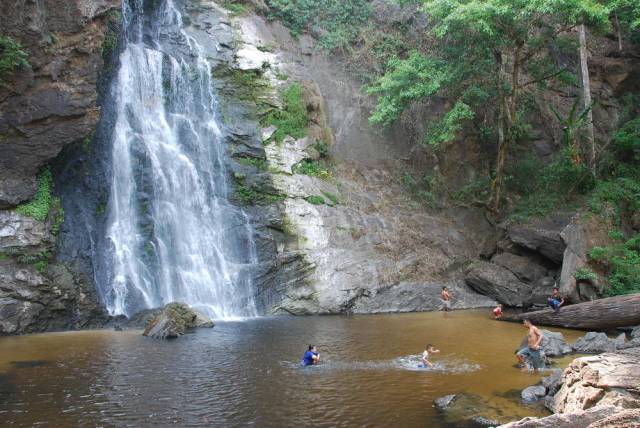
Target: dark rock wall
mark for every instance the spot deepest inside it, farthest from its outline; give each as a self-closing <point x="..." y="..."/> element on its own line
<point x="52" y="103"/>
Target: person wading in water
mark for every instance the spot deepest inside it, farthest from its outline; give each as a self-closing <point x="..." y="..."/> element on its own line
<point x="532" y="350"/>
<point x="446" y="299"/>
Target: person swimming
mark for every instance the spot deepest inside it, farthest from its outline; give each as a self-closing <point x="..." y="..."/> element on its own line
<point x="428" y="351"/>
<point x="311" y="357"/>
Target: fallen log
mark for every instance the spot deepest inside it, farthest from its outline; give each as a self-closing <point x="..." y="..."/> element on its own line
<point x="602" y="314"/>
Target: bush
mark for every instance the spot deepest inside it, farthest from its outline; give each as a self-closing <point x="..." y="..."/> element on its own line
<point x="312" y="168"/>
<point x="338" y="21"/>
<point x="585" y="274"/>
<point x="12" y="57"/>
<point x="292" y="119"/>
<point x="260" y="164"/>
<point x="315" y="199"/>
<point x="39" y="206"/>
<point x="622" y="262"/>
<point x="331" y="197"/>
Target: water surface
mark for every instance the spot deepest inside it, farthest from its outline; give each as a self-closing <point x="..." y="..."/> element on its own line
<point x="248" y="373"/>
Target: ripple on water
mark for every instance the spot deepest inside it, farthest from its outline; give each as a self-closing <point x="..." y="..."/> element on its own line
<point x="409" y="362"/>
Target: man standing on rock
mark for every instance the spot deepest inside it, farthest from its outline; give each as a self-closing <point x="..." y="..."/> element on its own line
<point x="532" y="351"/>
<point x="446" y="299"/>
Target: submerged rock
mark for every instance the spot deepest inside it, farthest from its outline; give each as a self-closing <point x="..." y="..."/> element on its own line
<point x="174" y="320"/>
<point x="443" y="403"/>
<point x="533" y="393"/>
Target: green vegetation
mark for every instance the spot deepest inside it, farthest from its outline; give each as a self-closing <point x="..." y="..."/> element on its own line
<point x="420" y="188"/>
<point x="58" y="219"/>
<point x="292" y="119"/>
<point x="312" y="168"/>
<point x="331" y="197"/>
<point x="315" y="199"/>
<point x="40" y="260"/>
<point x="585" y="274"/>
<point x="337" y="21"/>
<point x="39" y="206"/>
<point x="322" y="148"/>
<point x="250" y="195"/>
<point x="110" y="42"/>
<point x="486" y="81"/>
<point x="246" y="85"/>
<point x="12" y="57"/>
<point x="622" y="263"/>
<point x="260" y="164"/>
<point x="235" y="8"/>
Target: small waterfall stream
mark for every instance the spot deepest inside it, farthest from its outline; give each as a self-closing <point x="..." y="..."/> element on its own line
<point x="173" y="234"/>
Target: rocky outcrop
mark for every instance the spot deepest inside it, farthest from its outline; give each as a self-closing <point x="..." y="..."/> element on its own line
<point x="36" y="292"/>
<point x="53" y="102"/>
<point x="554" y="344"/>
<point x="596" y="391"/>
<point x="347" y="240"/>
<point x="174" y="320"/>
<point x="594" y="342"/>
<point x="497" y="282"/>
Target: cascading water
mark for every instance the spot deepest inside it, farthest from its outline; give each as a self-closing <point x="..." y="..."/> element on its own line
<point x="173" y="234"/>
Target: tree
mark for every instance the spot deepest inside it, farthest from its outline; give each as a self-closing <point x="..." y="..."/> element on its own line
<point x="586" y="96"/>
<point x="486" y="55"/>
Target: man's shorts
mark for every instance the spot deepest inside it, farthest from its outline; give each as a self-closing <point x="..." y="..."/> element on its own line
<point x="555" y="304"/>
<point x="533" y="355"/>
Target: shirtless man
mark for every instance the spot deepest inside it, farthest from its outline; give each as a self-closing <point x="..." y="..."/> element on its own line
<point x="534" y="337"/>
<point x="446" y="299"/>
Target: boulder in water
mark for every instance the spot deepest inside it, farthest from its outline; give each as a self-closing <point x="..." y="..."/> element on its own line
<point x="594" y="342"/>
<point x="552" y="382"/>
<point x="174" y="320"/>
<point x="533" y="393"/>
<point x="443" y="403"/>
<point x="554" y="344"/>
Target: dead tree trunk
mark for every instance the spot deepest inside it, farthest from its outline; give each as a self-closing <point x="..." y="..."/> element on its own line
<point x="586" y="95"/>
<point x="603" y="314"/>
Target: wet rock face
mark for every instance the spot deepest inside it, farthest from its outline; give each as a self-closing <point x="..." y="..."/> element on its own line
<point x="37" y="293"/>
<point x="52" y="103"/>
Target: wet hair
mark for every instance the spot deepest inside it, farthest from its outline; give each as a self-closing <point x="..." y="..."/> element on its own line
<point x="429" y="346"/>
<point x="526" y="320"/>
<point x="311" y="347"/>
<point x="556" y="288"/>
<point x="444" y="288"/>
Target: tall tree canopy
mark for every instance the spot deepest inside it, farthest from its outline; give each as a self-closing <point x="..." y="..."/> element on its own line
<point x="486" y="54"/>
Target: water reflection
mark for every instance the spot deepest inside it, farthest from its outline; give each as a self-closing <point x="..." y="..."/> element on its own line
<point x="248" y="373"/>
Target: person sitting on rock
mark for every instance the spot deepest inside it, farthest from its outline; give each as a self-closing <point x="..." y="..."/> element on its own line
<point x="532" y="351"/>
<point x="311" y="357"/>
<point x="497" y="311"/>
<point x="556" y="300"/>
<point x="428" y="351"/>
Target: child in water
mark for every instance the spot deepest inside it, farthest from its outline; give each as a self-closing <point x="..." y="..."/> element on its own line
<point x="428" y="351"/>
<point x="497" y="312"/>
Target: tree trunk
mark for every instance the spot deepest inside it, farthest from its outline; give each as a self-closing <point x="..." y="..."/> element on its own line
<point x="618" y="33"/>
<point x="586" y="95"/>
<point x="603" y="314"/>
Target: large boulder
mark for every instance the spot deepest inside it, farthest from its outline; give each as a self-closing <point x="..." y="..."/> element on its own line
<point x="609" y="378"/>
<point x="174" y="320"/>
<point x="582" y="419"/>
<point x="497" y="282"/>
<point x="554" y="344"/>
<point x="594" y="342"/>
<point x="542" y="236"/>
<point x="523" y="267"/>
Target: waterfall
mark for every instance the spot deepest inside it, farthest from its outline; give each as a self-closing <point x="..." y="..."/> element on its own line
<point x="172" y="232"/>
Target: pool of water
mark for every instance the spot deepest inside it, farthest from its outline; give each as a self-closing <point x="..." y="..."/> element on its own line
<point x="249" y="373"/>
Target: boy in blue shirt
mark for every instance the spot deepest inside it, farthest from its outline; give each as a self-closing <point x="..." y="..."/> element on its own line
<point x="311" y="357"/>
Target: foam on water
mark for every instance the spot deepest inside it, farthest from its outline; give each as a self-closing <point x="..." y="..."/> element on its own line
<point x="409" y="362"/>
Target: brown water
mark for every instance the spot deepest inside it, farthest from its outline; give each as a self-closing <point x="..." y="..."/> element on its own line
<point x="249" y="373"/>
